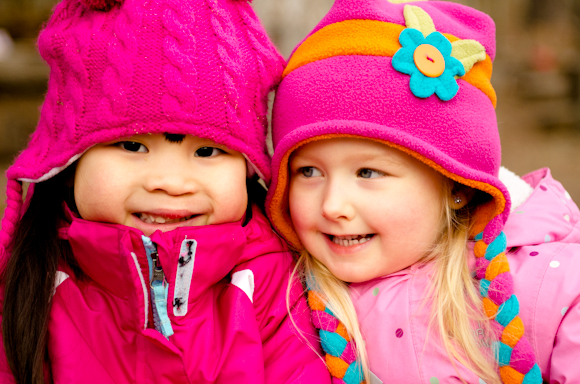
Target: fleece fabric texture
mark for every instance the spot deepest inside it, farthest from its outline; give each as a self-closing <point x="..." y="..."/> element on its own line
<point x="98" y="330"/>
<point x="543" y="240"/>
<point x="363" y="95"/>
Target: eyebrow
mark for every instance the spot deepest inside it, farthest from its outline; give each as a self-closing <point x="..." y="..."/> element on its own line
<point x="174" y="137"/>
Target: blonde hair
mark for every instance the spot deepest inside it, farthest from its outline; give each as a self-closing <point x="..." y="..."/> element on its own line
<point x="456" y="302"/>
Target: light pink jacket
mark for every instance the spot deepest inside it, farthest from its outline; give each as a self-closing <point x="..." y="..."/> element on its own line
<point x="233" y="328"/>
<point x="543" y="236"/>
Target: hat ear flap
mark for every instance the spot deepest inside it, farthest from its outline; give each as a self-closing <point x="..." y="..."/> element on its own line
<point x="11" y="217"/>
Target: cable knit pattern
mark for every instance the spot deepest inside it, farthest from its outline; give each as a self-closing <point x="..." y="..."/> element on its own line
<point x="268" y="61"/>
<point x="180" y="73"/>
<point x="142" y="66"/>
<point x="119" y="74"/>
<point x="228" y="52"/>
<point x="139" y="68"/>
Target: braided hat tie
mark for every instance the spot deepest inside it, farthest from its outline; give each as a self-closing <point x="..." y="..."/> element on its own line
<point x="514" y="353"/>
<point x="339" y="348"/>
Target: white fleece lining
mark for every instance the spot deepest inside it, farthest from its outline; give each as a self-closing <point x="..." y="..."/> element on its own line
<point x="145" y="295"/>
<point x="518" y="189"/>
<point x="245" y="281"/>
<point x="58" y="279"/>
<point x="185" y="265"/>
<point x="53" y="171"/>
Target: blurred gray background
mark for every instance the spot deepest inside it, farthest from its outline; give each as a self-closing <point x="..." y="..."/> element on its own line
<point x="536" y="76"/>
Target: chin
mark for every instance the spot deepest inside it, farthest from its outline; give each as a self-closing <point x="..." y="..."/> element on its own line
<point x="351" y="277"/>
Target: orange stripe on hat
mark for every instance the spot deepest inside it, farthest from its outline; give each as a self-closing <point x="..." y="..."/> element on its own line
<point x="373" y="38"/>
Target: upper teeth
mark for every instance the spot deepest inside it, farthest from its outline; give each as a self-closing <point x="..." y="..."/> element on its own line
<point x="347" y="241"/>
<point x="149" y="218"/>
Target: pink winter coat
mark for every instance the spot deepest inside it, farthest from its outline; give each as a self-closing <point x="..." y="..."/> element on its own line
<point x="543" y="239"/>
<point x="226" y="306"/>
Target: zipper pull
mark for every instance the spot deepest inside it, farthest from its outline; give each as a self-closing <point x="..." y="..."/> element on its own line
<point x="158" y="275"/>
<point x="159" y="290"/>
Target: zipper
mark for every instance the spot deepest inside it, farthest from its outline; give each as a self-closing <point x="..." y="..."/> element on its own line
<point x="159" y="289"/>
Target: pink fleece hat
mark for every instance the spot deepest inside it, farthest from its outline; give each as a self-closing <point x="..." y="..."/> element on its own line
<point x="341" y="80"/>
<point x="125" y="67"/>
<point x="414" y="76"/>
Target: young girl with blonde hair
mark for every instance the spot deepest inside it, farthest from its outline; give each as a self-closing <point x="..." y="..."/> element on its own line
<point x="424" y="262"/>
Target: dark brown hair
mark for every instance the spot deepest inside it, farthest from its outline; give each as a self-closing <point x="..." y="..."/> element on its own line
<point x="29" y="279"/>
<point x="30" y="274"/>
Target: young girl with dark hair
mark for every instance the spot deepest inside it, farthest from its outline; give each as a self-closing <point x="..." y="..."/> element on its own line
<point x="141" y="254"/>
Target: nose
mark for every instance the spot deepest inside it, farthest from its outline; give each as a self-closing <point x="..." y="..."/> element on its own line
<point x="173" y="177"/>
<point x="337" y="203"/>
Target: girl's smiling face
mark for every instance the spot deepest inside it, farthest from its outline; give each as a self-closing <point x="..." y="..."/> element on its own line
<point x="362" y="208"/>
<point x="160" y="182"/>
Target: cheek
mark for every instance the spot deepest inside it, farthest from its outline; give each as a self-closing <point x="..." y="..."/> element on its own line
<point x="303" y="212"/>
<point x="97" y="189"/>
<point x="231" y="195"/>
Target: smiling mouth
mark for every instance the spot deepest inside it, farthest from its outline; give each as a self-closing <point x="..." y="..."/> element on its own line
<point x="349" y="241"/>
<point x="158" y="219"/>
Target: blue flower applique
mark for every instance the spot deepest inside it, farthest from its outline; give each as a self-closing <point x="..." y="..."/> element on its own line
<point x="411" y="59"/>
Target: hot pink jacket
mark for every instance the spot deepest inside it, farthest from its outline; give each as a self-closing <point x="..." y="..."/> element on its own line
<point x="233" y="328"/>
<point x="543" y="236"/>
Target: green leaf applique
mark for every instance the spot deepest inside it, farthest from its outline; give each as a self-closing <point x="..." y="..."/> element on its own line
<point x="468" y="52"/>
<point x="417" y="18"/>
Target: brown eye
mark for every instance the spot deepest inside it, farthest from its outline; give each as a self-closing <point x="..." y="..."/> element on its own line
<point x="208" y="152"/>
<point x="132" y="146"/>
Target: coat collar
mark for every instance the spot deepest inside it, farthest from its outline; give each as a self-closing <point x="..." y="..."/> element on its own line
<point x="108" y="253"/>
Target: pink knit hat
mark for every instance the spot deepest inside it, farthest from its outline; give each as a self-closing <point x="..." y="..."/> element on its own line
<point x="415" y="77"/>
<point x="125" y="67"/>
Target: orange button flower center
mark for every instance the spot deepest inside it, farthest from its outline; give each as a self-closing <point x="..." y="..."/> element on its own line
<point x="429" y="60"/>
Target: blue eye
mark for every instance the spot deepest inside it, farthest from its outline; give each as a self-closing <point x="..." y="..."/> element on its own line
<point x="132" y="146"/>
<point x="208" y="152"/>
<point x="366" y="173"/>
<point x="310" y="172"/>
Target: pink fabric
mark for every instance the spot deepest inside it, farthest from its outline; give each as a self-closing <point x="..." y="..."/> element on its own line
<point x="193" y="67"/>
<point x="199" y="67"/>
<point x="545" y="278"/>
<point x="375" y="101"/>
<point x="461" y="21"/>
<point x="367" y="97"/>
<point x="96" y="326"/>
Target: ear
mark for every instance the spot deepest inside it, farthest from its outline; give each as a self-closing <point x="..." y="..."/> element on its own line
<point x="460" y="196"/>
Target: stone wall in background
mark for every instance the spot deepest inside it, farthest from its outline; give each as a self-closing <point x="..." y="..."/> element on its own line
<point x="536" y="75"/>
